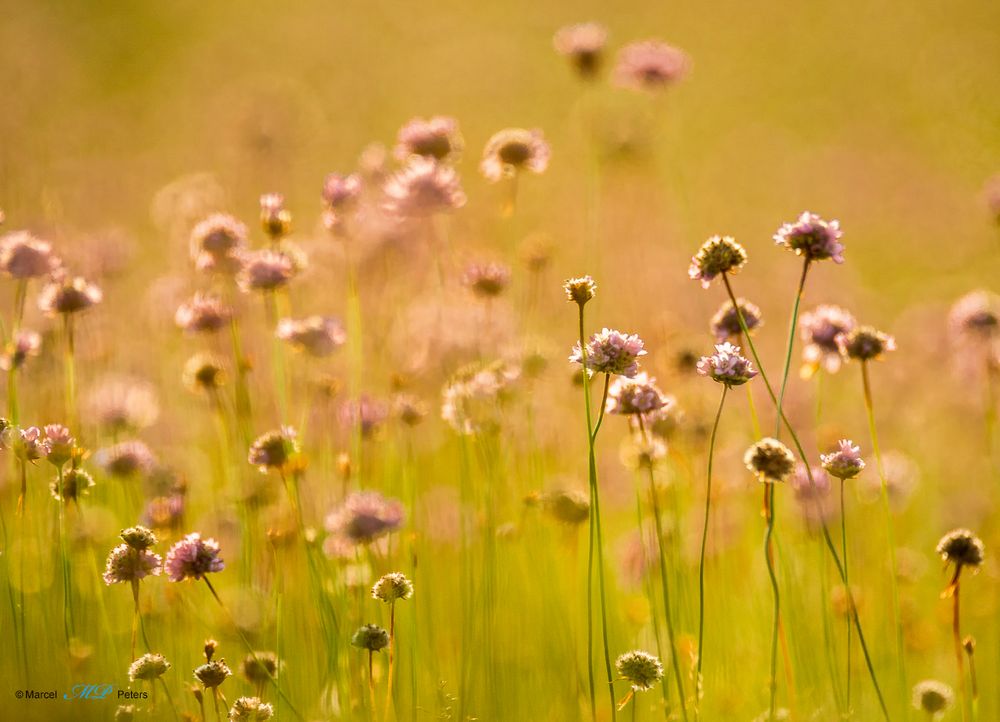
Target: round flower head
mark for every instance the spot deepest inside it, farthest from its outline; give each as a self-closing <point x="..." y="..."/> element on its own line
<point x="865" y="343"/>
<point x="204" y="372"/>
<point x="611" y="352"/>
<point x="820" y="329"/>
<point x="391" y="587"/>
<point x="364" y="517"/>
<point x="812" y="238"/>
<point x="250" y="709"/>
<point x="962" y="548"/>
<point x="24" y="345"/>
<point x="486" y="280"/>
<point x="266" y="270"/>
<point x="274" y="449"/>
<point x="204" y="313"/>
<point x="192" y="558"/>
<point x="123" y="404"/>
<point x="371" y="637"/>
<point x="165" y="512"/>
<point x="260" y="667"/>
<point x="139" y="537"/>
<point x="580" y="290"/>
<point x="975" y="317"/>
<point x="933" y="697"/>
<point x="275" y="219"/>
<point x="583" y="45"/>
<point x="60" y="443"/>
<point x="28" y="444"/>
<point x="365" y="412"/>
<point x="726" y="366"/>
<point x="219" y="236"/>
<point x="340" y="194"/>
<point x="812" y="493"/>
<point x="770" y="460"/>
<point x="75" y="483"/>
<point x="437" y="138"/>
<point x="513" y="150"/>
<point x="637" y="395"/>
<point x="212" y="674"/>
<point x="472" y="400"/>
<point x="569" y="506"/>
<point x="125" y="459"/>
<point x="66" y="295"/>
<point x="423" y="187"/>
<point x="315" y="335"/>
<point x="718" y="255"/>
<point x="126" y="564"/>
<point x="725" y="323"/>
<point x="650" y="65"/>
<point x="409" y="409"/>
<point x="845" y="462"/>
<point x="149" y="668"/>
<point x="640" y="669"/>
<point x="23" y="256"/>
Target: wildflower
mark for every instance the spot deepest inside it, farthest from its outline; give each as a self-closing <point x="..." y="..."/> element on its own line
<point x="149" y="667"/>
<point x="770" y="460"/>
<point x="639" y="452"/>
<point x="391" y="587"/>
<point x="962" y="548"/>
<point x="371" y="637"/>
<point x="650" y="65"/>
<point x="718" y="255"/>
<point x="409" y="409"/>
<point x="812" y="238"/>
<point x="844" y="463"/>
<point x="472" y="399"/>
<point x="367" y="413"/>
<point x="487" y="280"/>
<point x="275" y="219"/>
<point x="726" y="322"/>
<point x="126" y="458"/>
<point x="219" y="236"/>
<point x="727" y="366"/>
<point x="66" y="295"/>
<point x="315" y="335"/>
<point x="75" y="483"/>
<point x="569" y="506"/>
<point x="340" y="193"/>
<point x="583" y="45"/>
<point x="611" y="352"/>
<point x="637" y="395"/>
<point x="423" y="187"/>
<point x="23" y="256"/>
<point x="139" y="537"/>
<point x="266" y="270"/>
<point x="933" y="697"/>
<point x="59" y="444"/>
<point x="975" y="317"/>
<point x="192" y="558"/>
<point x="250" y="709"/>
<point x="204" y="372"/>
<point x="512" y="150"/>
<point x="536" y="251"/>
<point x="820" y="329"/>
<point x="204" y="313"/>
<point x="165" y="512"/>
<point x="640" y="669"/>
<point x="580" y="290"/>
<point x="362" y="518"/>
<point x="25" y="344"/>
<point x="260" y="667"/>
<point x="812" y="493"/>
<point x="437" y="138"/>
<point x="127" y="564"/>
<point x="865" y="343"/>
<point x="212" y="674"/>
<point x="28" y="444"/>
<point x="123" y="404"/>
<point x="274" y="449"/>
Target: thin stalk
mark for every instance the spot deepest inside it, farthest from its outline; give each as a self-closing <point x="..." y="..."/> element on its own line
<point x="847" y="570"/>
<point x="392" y="641"/>
<point x="243" y="408"/>
<point x="70" y="371"/>
<point x="956" y="627"/>
<point x="135" y="615"/>
<point x="371" y="683"/>
<point x="64" y="558"/>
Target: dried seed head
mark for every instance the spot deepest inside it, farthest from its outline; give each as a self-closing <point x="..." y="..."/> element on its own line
<point x="580" y="290"/>
<point x="640" y="669"/>
<point x="391" y="587"/>
<point x="212" y="674"/>
<point x="569" y="506"/>
<point x="718" y="255"/>
<point x="75" y="483"/>
<point x="933" y="697"/>
<point x="845" y="462"/>
<point x="371" y="637"/>
<point x="770" y="460"/>
<point x="513" y="150"/>
<point x="260" y="667"/>
<point x="149" y="667"/>
<point x="962" y="548"/>
<point x="250" y="709"/>
<point x="865" y="343"/>
<point x="139" y="537"/>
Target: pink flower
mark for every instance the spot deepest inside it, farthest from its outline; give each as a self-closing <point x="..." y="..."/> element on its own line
<point x="820" y="329"/>
<point x="265" y="270"/>
<point x="437" y="138"/>
<point x="812" y="238"/>
<point x="192" y="558"/>
<point x="275" y="219"/>
<point x="727" y="366"/>
<point x="638" y="395"/>
<point x="845" y="462"/>
<point x="611" y="352"/>
<point x="487" y="279"/>
<point x="340" y="194"/>
<point x="584" y="45"/>
<point x="316" y="335"/>
<point x="23" y="256"/>
<point x="126" y="564"/>
<point x="24" y="345"/>
<point x="423" y="187"/>
<point x="717" y="256"/>
<point x="219" y="236"/>
<point x="364" y="517"/>
<point x="204" y="313"/>
<point x="512" y="150"/>
<point x="66" y="295"/>
<point x="650" y="65"/>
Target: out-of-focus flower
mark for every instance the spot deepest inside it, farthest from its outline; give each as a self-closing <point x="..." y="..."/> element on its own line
<point x="23" y="256"/>
<point x="366" y="412"/>
<point x="718" y="255"/>
<point x="275" y="219"/>
<point x="650" y="65"/>
<point x="219" y="236"/>
<point x="261" y="667"/>
<point x="727" y="366"/>
<point x="611" y="352"/>
<point x="472" y="399"/>
<point x="974" y="319"/>
<point x="812" y="238"/>
<point x="204" y="313"/>
<point x="437" y="138"/>
<point x="636" y="395"/>
<point x="24" y="345"/>
<point x="423" y="187"/>
<point x="165" y="512"/>
<point x="340" y="194"/>
<point x="266" y="270"/>
<point x="844" y="463"/>
<point x="391" y="587"/>
<point x="123" y="404"/>
<point x="486" y="280"/>
<point x="933" y="697"/>
<point x="250" y="709"/>
<point x="27" y="443"/>
<point x="812" y="493"/>
<point x="725" y="323"/>
<point x="139" y="537"/>
<point x="583" y="44"/>
<point x="820" y="329"/>
<point x="126" y="458"/>
<point x="192" y="558"/>
<point x="962" y="548"/>
<point x="204" y="372"/>
<point x="640" y="669"/>
<point x="770" y="460"/>
<point x="902" y="475"/>
<point x="568" y="506"/>
<point x="274" y="450"/>
<point x="640" y="452"/>
<point x="513" y="150"/>
<point x="75" y="483"/>
<point x="371" y="637"/>
<point x="127" y="564"/>
<point x="65" y="295"/>
<point x="363" y="517"/>
<point x="865" y="343"/>
<point x="580" y="290"/>
<point x="315" y="335"/>
<point x="149" y="667"/>
<point x="212" y="673"/>
<point x="535" y="251"/>
<point x="991" y="196"/>
<point x="409" y="409"/>
<point x="59" y="443"/>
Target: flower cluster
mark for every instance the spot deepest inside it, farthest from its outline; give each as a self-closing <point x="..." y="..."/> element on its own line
<point x="610" y="352"/>
<point x="812" y="238"/>
<point x="727" y="366"/>
<point x="718" y="255"/>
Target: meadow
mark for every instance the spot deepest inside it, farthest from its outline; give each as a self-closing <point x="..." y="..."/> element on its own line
<point x="475" y="362"/>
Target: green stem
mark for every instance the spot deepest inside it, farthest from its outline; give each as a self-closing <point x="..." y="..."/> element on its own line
<point x="70" y="371"/>
<point x="847" y="571"/>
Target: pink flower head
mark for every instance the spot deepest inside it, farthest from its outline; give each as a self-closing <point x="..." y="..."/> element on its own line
<point x="366" y="412"/>
<point x="274" y="449"/>
<point x="725" y="323"/>
<point x="845" y="462"/>
<point x="66" y="295"/>
<point x="812" y="495"/>
<point x="512" y="150"/>
<point x="423" y="187"/>
<point x="650" y="65"/>
<point x="717" y="256"/>
<point x="204" y="313"/>
<point x="275" y="219"/>
<point x="59" y="442"/>
<point x="611" y="352"/>
<point x="28" y="444"/>
<point x="820" y="329"/>
<point x="437" y="138"/>
<point x="315" y="335"/>
<point x="727" y="366"/>
<point x="266" y="270"/>
<point x="24" y="345"/>
<point x="340" y="194"/>
<point x="126" y="458"/>
<point x="192" y="558"/>
<point x="583" y="44"/>
<point x="123" y="403"/>
<point x="975" y="318"/>
<point x="23" y="256"/>
<point x="487" y="279"/>
<point x="865" y="343"/>
<point x="637" y="395"/>
<point x="218" y="236"/>
<point x="812" y="238"/>
<point x="126" y="564"/>
<point x="363" y="517"/>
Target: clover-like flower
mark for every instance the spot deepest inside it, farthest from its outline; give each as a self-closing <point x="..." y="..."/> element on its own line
<point x="580" y="290"/>
<point x="127" y="564"/>
<point x="770" y="460"/>
<point x="820" y="329"/>
<point x="727" y="366"/>
<point x="391" y="587"/>
<point x="149" y="667"/>
<point x="65" y="295"/>
<point x="193" y="558"/>
<point x="641" y="669"/>
<point x="611" y="352"/>
<point x="274" y="449"/>
<point x="423" y="187"/>
<point x="437" y="138"/>
<point x="371" y="637"/>
<point x="583" y="44"/>
<point x="865" y="343"/>
<point x="250" y="709"/>
<point x="844" y="463"/>
<point x="812" y="238"/>
<point x="317" y="336"/>
<point x="725" y="324"/>
<point x="718" y="255"/>
<point x="637" y="395"/>
<point x="513" y="150"/>
<point x="213" y="673"/>
<point x="650" y="65"/>
<point x="962" y="548"/>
